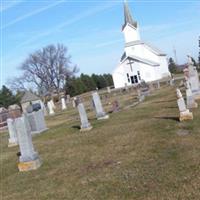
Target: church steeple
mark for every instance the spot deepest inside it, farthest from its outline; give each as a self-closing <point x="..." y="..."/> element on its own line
<point x="130" y="27"/>
<point x="127" y="16"/>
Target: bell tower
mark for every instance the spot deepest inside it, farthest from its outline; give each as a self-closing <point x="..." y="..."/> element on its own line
<point x="130" y="27"/>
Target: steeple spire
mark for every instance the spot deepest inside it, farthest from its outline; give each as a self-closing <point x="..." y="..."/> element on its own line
<point x="127" y="16"/>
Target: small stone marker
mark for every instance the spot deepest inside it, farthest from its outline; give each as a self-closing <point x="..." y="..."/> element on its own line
<point x="50" y="108"/>
<point x="185" y="114"/>
<point x="115" y="106"/>
<point x="12" y="141"/>
<point x="193" y="78"/>
<point x="158" y="84"/>
<point x="85" y="125"/>
<point x="100" y="114"/>
<point x="37" y="122"/>
<point x="64" y="107"/>
<point x="141" y="97"/>
<point x="190" y="97"/>
<point x="74" y="102"/>
<point x="29" y="159"/>
<point x="68" y="99"/>
<point x="52" y="104"/>
<point x="108" y="90"/>
<point x="171" y="82"/>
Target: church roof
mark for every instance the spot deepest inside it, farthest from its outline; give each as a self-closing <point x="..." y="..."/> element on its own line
<point x="143" y="60"/>
<point x="152" y="48"/>
<point x="127" y="17"/>
<point x="28" y="96"/>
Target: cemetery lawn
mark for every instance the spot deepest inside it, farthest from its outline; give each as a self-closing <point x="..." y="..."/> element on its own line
<point x="141" y="152"/>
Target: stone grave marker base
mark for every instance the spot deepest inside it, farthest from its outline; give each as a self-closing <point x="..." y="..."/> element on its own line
<point x="103" y="117"/>
<point x="12" y="144"/>
<point x="86" y="129"/>
<point x="28" y="166"/>
<point x="186" y="115"/>
<point x="38" y="132"/>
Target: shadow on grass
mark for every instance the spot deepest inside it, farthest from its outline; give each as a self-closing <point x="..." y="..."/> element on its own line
<point x="171" y="107"/>
<point x="172" y="100"/>
<point x="170" y="118"/>
<point x="76" y="127"/>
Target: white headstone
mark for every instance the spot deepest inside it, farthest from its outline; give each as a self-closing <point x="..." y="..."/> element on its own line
<point x="52" y="104"/>
<point x="108" y="90"/>
<point x="63" y="103"/>
<point x="193" y="77"/>
<point x="190" y="97"/>
<point x="85" y="125"/>
<point x="74" y="102"/>
<point x="68" y="99"/>
<point x="12" y="141"/>
<point x="37" y="122"/>
<point x="50" y="108"/>
<point x="185" y="114"/>
<point x="100" y="114"/>
<point x="29" y="158"/>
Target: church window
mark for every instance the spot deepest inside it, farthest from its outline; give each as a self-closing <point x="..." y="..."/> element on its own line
<point x="139" y="77"/>
<point x="128" y="77"/>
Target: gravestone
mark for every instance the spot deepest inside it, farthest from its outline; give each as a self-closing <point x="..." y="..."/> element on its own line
<point x="100" y="114"/>
<point x="52" y="104"/>
<point x="171" y="82"/>
<point x="115" y="106"/>
<point x="85" y="125"/>
<point x="190" y="97"/>
<point x="29" y="159"/>
<point x="68" y="99"/>
<point x="185" y="114"/>
<point x="64" y="107"/>
<point x="140" y="95"/>
<point x="108" y="89"/>
<point x="37" y="122"/>
<point x="158" y="84"/>
<point x="12" y="141"/>
<point x="50" y="108"/>
<point x="74" y="102"/>
<point x="193" y="78"/>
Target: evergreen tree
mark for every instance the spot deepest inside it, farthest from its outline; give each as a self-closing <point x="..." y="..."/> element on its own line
<point x="7" y="98"/>
<point x="88" y="82"/>
<point x="172" y="66"/>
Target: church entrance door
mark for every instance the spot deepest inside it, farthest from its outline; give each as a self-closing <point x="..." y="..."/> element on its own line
<point x="134" y="79"/>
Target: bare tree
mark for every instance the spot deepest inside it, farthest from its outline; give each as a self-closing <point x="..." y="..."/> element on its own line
<point x="46" y="69"/>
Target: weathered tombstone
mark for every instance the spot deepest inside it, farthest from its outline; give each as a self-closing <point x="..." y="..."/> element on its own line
<point x="140" y="96"/>
<point x="50" y="108"/>
<point x="29" y="159"/>
<point x="190" y="97"/>
<point x="193" y="78"/>
<point x="100" y="114"/>
<point x="74" y="102"/>
<point x="185" y="114"/>
<point x="43" y="107"/>
<point x="52" y="104"/>
<point x="158" y="84"/>
<point x="108" y="89"/>
<point x="144" y="89"/>
<point x="12" y="141"/>
<point x="85" y="125"/>
<point x="68" y="99"/>
<point x="64" y="107"/>
<point x="115" y="106"/>
<point x="37" y="122"/>
<point x="171" y="82"/>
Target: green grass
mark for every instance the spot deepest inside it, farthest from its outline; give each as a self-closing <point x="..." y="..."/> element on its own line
<point x="136" y="154"/>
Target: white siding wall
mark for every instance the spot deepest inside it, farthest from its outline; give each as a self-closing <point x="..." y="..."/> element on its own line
<point x="131" y="34"/>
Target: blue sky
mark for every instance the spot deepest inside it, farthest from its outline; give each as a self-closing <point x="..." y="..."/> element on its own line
<point x="92" y="30"/>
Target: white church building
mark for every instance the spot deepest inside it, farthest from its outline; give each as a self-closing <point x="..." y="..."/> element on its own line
<point x="140" y="60"/>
